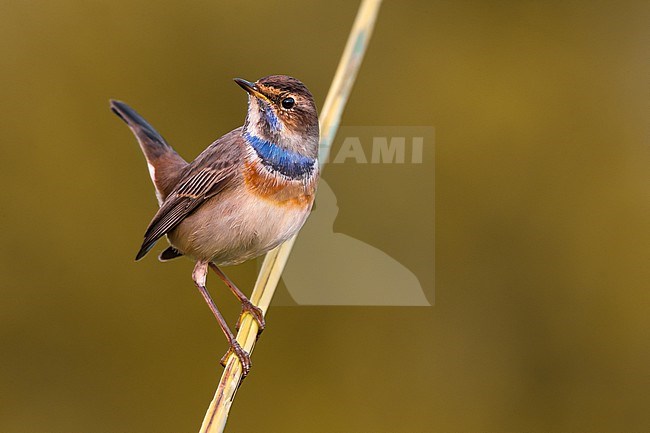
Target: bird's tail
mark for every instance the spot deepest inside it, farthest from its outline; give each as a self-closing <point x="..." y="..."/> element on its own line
<point x="165" y="165"/>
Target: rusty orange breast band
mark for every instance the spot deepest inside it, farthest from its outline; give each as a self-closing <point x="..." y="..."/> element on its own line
<point x="275" y="188"/>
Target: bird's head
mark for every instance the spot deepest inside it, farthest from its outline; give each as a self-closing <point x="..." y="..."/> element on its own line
<point x="281" y="110"/>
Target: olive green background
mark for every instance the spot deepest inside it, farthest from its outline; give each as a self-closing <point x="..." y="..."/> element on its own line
<point x="541" y="318"/>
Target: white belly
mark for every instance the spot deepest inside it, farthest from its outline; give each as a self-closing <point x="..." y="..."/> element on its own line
<point x="237" y="226"/>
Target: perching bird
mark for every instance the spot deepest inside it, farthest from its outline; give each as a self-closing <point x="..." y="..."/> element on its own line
<point x="248" y="192"/>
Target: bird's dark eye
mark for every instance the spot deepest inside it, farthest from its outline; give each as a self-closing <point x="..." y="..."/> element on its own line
<point x="287" y="103"/>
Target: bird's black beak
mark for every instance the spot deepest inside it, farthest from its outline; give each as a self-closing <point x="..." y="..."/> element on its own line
<point x="251" y="88"/>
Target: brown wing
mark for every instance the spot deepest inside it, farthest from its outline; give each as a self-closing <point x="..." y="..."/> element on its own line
<point x="213" y="171"/>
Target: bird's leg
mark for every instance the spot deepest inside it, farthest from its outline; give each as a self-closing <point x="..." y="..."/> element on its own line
<point x="199" y="276"/>
<point x="246" y="304"/>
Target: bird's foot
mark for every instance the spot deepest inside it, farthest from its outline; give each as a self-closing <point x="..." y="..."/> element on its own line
<point x="255" y="311"/>
<point x="239" y="352"/>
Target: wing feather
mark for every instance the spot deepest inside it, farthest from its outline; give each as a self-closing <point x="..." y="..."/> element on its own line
<point x="197" y="186"/>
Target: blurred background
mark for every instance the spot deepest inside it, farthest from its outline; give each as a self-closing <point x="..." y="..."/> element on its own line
<point x="541" y="318"/>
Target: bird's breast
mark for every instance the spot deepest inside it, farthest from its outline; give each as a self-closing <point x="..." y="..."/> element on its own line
<point x="278" y="189"/>
<point x="247" y="221"/>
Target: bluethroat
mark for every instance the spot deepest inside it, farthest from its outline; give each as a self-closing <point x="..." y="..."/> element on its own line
<point x="248" y="192"/>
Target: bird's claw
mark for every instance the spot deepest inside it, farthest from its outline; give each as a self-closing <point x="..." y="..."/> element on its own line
<point x="256" y="312"/>
<point x="239" y="352"/>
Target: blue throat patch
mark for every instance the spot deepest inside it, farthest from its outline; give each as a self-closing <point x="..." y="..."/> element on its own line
<point x="286" y="162"/>
<point x="271" y="118"/>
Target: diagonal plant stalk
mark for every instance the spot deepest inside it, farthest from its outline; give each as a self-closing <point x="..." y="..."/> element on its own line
<point x="275" y="260"/>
